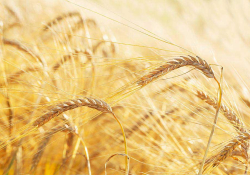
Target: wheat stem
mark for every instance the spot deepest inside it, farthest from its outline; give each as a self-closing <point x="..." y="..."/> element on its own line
<point x="215" y="121"/>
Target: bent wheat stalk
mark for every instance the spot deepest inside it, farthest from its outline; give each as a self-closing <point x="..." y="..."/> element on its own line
<point x="215" y="121"/>
<point x="110" y="157"/>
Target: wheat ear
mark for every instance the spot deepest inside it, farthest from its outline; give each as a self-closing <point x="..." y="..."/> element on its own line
<point x="226" y="152"/>
<point x="36" y="158"/>
<point x="66" y="58"/>
<point x="89" y="102"/>
<point x="72" y="104"/>
<point x="23" y="48"/>
<point x="231" y="117"/>
<point x="13" y="77"/>
<point x="171" y="65"/>
<point x="15" y="14"/>
<point x="60" y="18"/>
<point x="162" y="70"/>
<point x="176" y="63"/>
<point x="228" y="113"/>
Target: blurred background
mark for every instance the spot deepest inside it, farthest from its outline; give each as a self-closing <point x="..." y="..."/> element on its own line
<point x="54" y="51"/>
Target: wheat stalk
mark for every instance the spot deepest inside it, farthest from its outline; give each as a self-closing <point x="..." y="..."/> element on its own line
<point x="215" y="120"/>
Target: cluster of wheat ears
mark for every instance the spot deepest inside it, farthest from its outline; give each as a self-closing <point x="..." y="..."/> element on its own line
<point x="64" y="79"/>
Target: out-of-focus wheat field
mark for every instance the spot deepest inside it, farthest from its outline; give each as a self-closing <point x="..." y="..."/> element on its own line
<point x="122" y="54"/>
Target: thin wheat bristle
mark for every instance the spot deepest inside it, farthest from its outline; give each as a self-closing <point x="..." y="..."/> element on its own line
<point x="176" y="63"/>
<point x="65" y="106"/>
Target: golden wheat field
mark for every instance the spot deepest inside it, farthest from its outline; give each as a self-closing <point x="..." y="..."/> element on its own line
<point x="136" y="87"/>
